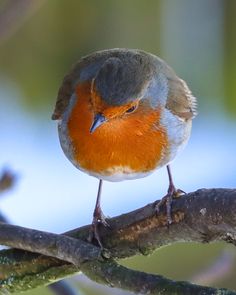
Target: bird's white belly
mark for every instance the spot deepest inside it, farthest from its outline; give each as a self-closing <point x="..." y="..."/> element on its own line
<point x="119" y="173"/>
<point x="178" y="133"/>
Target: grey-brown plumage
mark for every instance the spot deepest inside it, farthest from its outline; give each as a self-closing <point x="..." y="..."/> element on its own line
<point x="122" y="75"/>
<point x="121" y="80"/>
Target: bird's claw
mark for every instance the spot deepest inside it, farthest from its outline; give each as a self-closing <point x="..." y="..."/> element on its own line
<point x="178" y="193"/>
<point x="98" y="219"/>
<point x="167" y="200"/>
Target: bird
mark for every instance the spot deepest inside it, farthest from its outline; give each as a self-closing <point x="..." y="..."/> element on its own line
<point x="122" y="114"/>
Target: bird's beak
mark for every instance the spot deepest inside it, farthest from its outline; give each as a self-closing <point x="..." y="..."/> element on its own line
<point x="98" y="120"/>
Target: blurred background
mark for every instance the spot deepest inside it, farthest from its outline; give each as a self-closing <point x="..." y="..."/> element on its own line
<point x="39" y="41"/>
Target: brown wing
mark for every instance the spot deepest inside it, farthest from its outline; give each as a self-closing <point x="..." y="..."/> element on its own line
<point x="67" y="88"/>
<point x="63" y="96"/>
<point x="180" y="100"/>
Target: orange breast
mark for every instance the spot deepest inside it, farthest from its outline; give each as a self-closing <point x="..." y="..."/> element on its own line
<point x="132" y="142"/>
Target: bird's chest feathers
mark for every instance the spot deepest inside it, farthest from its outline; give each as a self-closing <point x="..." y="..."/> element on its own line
<point x="134" y="143"/>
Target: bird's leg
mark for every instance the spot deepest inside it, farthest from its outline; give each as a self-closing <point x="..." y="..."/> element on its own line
<point x="168" y="198"/>
<point x="98" y="218"/>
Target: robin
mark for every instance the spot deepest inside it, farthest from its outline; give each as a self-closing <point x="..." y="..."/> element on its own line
<point x="122" y="114"/>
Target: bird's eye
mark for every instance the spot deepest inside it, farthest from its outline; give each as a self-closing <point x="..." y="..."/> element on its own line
<point x="131" y="110"/>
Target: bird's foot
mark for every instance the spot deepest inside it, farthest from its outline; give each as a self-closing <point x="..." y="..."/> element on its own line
<point x="98" y="219"/>
<point x="167" y="200"/>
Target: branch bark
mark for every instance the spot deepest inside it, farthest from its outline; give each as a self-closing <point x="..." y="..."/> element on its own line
<point x="201" y="216"/>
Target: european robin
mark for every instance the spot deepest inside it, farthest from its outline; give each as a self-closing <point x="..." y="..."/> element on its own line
<point x="122" y="114"/>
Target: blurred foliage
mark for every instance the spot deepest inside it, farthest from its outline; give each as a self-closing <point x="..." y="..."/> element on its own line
<point x="45" y="47"/>
<point x="58" y="33"/>
<point x="183" y="261"/>
<point x="230" y="55"/>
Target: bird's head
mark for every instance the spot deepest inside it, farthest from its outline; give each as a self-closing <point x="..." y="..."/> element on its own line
<point x="117" y="89"/>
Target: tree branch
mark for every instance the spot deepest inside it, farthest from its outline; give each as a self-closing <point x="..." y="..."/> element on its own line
<point x="201" y="216"/>
<point x="72" y="250"/>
